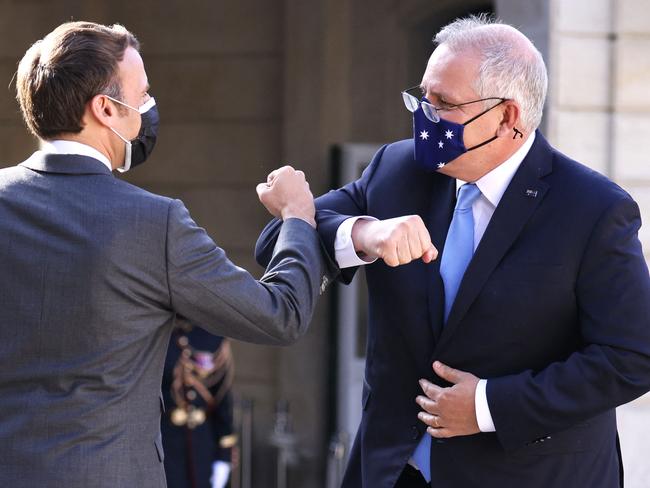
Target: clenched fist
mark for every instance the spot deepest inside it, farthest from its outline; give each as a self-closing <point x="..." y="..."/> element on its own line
<point x="286" y="195"/>
<point x="397" y="241"/>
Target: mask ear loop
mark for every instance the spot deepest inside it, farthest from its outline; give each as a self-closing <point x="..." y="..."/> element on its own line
<point x="484" y="112"/>
<point x="517" y="133"/>
<point x="127" y="152"/>
<point x="127" y="159"/>
<point x="476" y="117"/>
<point x="482" y="143"/>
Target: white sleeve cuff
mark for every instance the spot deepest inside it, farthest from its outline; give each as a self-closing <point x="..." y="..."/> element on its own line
<point x="483" y="415"/>
<point x="344" y="252"/>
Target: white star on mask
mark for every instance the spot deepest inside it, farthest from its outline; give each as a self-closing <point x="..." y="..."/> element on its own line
<point x="440" y="165"/>
<point x="440" y="144"/>
<point x="449" y="134"/>
<point x="424" y="135"/>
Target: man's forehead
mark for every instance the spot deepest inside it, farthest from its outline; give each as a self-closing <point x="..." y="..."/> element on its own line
<point x="450" y="74"/>
<point x="447" y="90"/>
<point x="132" y="71"/>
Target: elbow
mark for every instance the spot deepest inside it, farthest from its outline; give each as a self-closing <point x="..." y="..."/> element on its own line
<point x="289" y="321"/>
<point x="300" y="312"/>
<point x="295" y="328"/>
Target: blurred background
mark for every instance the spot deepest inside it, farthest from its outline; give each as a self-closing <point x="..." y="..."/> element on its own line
<point x="246" y="86"/>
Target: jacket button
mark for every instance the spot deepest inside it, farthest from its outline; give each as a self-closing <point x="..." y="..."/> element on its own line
<point x="416" y="432"/>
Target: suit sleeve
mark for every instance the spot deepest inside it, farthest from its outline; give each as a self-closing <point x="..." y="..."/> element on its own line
<point x="332" y="209"/>
<point x="207" y="288"/>
<point x="613" y="366"/>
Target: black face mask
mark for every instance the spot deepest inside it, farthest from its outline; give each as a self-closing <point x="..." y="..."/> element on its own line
<point x="142" y="146"/>
<point x="139" y="149"/>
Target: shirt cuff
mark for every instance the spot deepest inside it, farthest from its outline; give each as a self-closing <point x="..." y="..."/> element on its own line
<point x="344" y="253"/>
<point x="483" y="415"/>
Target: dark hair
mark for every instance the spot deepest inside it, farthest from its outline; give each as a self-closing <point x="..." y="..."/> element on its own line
<point x="62" y="72"/>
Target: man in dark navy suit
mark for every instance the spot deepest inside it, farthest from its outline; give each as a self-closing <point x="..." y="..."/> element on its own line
<point x="501" y="363"/>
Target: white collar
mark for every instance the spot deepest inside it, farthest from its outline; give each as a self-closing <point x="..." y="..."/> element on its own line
<point x="494" y="184"/>
<point x="62" y="146"/>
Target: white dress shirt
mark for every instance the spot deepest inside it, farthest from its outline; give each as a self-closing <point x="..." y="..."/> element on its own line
<point x="60" y="146"/>
<point x="492" y="185"/>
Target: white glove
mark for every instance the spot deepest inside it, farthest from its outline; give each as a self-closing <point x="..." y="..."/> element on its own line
<point x="220" y="474"/>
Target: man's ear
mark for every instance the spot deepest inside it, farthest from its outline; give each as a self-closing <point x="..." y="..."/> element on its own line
<point x="510" y="118"/>
<point x="99" y="109"/>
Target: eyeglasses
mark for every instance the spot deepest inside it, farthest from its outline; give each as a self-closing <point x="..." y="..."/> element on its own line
<point x="413" y="103"/>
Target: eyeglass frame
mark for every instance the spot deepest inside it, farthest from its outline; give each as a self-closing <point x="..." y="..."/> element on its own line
<point x="431" y="111"/>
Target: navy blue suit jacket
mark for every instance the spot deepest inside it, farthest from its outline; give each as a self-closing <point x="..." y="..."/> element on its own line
<point x="553" y="310"/>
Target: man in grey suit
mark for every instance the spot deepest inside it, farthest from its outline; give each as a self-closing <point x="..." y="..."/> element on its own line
<point x="93" y="271"/>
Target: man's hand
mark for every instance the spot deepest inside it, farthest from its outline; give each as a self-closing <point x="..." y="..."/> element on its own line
<point x="449" y="412"/>
<point x="396" y="241"/>
<point x="286" y="195"/>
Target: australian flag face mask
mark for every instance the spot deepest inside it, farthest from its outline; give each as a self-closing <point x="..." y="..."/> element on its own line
<point x="438" y="143"/>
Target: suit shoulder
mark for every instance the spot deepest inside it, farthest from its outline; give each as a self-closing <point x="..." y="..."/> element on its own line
<point x="10" y="174"/>
<point x="396" y="158"/>
<point x="584" y="182"/>
<point x="138" y="193"/>
<point x="127" y="197"/>
<point x="399" y="150"/>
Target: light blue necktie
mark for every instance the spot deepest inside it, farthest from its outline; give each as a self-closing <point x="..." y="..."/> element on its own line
<point x="456" y="255"/>
<point x="459" y="246"/>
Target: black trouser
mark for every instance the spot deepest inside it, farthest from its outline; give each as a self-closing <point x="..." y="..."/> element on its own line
<point x="411" y="478"/>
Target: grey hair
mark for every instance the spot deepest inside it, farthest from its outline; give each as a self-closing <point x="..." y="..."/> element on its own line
<point x="511" y="66"/>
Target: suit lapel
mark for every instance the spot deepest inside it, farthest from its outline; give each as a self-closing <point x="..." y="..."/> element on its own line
<point x="524" y="194"/>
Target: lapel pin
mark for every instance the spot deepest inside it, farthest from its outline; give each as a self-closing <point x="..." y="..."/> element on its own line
<point x="531" y="193"/>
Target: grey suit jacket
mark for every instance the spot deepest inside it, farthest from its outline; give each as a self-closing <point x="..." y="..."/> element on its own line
<point x="93" y="271"/>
